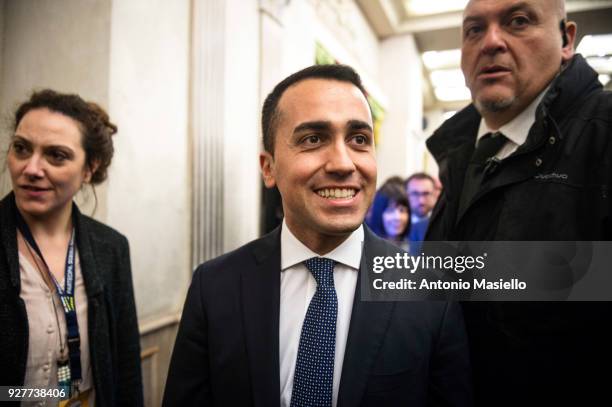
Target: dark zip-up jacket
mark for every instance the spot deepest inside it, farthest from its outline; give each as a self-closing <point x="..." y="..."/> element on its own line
<point x="555" y="187"/>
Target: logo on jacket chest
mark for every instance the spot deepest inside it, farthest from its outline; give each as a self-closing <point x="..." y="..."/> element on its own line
<point x="552" y="176"/>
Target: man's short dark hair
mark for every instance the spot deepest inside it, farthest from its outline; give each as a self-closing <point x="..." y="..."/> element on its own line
<point x="270" y="113"/>
<point x="420" y="176"/>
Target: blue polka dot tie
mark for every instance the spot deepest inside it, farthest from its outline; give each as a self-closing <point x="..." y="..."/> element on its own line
<point x="314" y="370"/>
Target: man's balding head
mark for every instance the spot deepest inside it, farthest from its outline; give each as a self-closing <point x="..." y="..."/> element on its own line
<point x="557" y="5"/>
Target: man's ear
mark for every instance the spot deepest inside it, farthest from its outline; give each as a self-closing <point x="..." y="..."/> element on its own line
<point x="570" y="35"/>
<point x="266" y="162"/>
<point x="90" y="170"/>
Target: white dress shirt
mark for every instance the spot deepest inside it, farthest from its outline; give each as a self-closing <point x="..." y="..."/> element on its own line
<point x="516" y="130"/>
<point x="297" y="288"/>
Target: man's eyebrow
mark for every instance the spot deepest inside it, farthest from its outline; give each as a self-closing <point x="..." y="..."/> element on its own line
<point x="322" y="125"/>
<point x="358" y="125"/>
<point x="19" y="137"/>
<point x="319" y="125"/>
<point x="472" y="19"/>
<point x="522" y="6"/>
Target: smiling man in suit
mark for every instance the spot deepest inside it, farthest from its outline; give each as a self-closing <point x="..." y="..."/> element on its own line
<point x="280" y="321"/>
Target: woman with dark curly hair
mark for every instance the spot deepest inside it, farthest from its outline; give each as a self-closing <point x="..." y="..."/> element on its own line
<point x="389" y="215"/>
<point x="67" y="316"/>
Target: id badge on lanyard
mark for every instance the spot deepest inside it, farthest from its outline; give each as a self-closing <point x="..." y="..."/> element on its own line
<point x="68" y="369"/>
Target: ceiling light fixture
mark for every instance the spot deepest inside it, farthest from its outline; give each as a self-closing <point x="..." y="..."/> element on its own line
<point x="447" y="77"/>
<point x="595" y="45"/>
<point x="450" y="58"/>
<point x="603" y="65"/>
<point x="449" y="85"/>
<point x="426" y="7"/>
<point x="454" y="94"/>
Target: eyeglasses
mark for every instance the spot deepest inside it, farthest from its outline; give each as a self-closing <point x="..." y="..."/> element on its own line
<point x="419" y="194"/>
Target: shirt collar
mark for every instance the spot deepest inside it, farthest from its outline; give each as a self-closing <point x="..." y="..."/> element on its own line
<point x="517" y="129"/>
<point x="417" y="219"/>
<point x="294" y="252"/>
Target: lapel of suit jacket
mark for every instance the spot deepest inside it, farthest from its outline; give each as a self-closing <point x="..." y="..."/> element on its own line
<point x="89" y="267"/>
<point x="369" y="324"/>
<point x="260" y="286"/>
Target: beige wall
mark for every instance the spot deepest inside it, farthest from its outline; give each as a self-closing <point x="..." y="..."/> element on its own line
<point x="402" y="145"/>
<point x="64" y="46"/>
<point x="1" y="53"/>
<point x="149" y="191"/>
<point x="48" y="44"/>
<point x="137" y="68"/>
<point x="241" y="179"/>
<point x="4" y="116"/>
<point x="342" y="28"/>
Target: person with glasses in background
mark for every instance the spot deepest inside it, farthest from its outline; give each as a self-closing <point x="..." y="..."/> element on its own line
<point x="420" y="188"/>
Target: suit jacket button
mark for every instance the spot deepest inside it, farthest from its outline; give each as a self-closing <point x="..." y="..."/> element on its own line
<point x="538" y="162"/>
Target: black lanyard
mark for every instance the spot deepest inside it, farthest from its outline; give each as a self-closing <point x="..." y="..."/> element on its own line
<point x="65" y="293"/>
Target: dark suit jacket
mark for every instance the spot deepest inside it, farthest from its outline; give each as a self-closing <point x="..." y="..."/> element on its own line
<point x="226" y="352"/>
<point x="112" y="324"/>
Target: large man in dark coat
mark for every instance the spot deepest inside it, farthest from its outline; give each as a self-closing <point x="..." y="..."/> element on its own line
<point x="541" y="113"/>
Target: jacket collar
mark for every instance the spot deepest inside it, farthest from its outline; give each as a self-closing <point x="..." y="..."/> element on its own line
<point x="8" y="234"/>
<point x="573" y="84"/>
<point x="452" y="145"/>
<point x="576" y="82"/>
<point x="446" y="138"/>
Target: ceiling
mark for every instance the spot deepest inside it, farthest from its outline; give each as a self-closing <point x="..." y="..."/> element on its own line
<point x="436" y="27"/>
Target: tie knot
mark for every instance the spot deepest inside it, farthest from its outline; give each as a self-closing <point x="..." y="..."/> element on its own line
<point x="322" y="270"/>
<point x="488" y="146"/>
